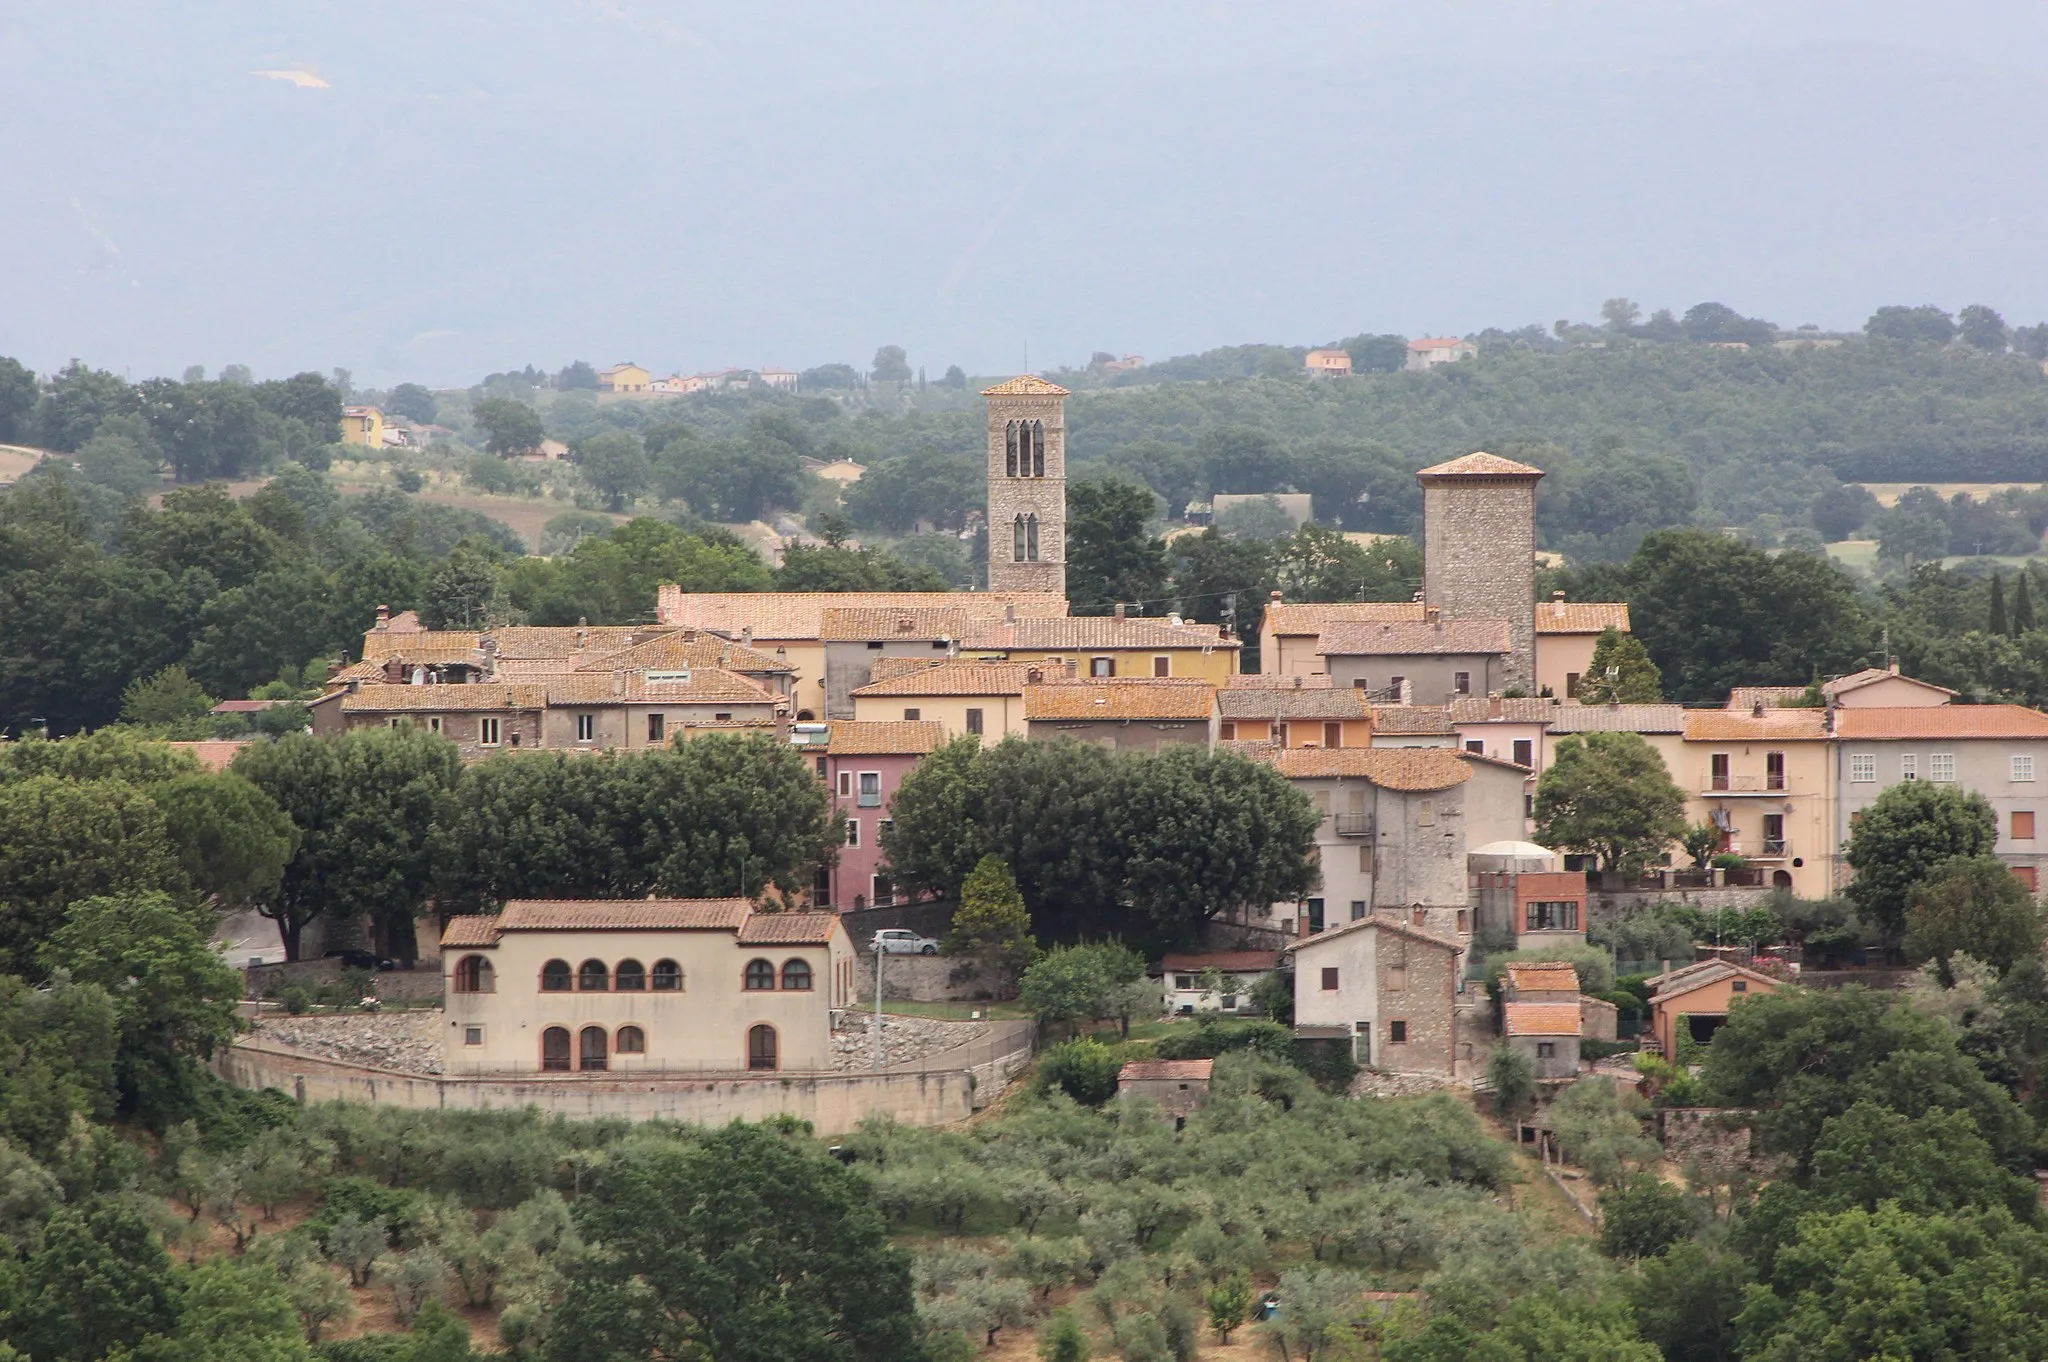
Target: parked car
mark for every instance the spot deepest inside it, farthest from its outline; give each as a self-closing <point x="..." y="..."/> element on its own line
<point x="902" y="941"/>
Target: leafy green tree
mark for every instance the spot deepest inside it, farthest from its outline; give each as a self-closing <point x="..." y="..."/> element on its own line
<point x="1512" y="1078"/>
<point x="1086" y="1070"/>
<point x="1926" y="324"/>
<point x="459" y="594"/>
<point x="100" y="1282"/>
<point x="1636" y="679"/>
<point x="1713" y="323"/>
<point x="1229" y="1305"/>
<point x="991" y="923"/>
<point x="615" y="463"/>
<point x="1973" y="904"/>
<point x="415" y="403"/>
<point x="1263" y="519"/>
<point x="230" y="1310"/>
<point x="807" y="568"/>
<point x="120" y="462"/>
<point x="66" y="840"/>
<point x="59" y="1061"/>
<point x="1686" y="1300"/>
<point x="510" y="426"/>
<point x="2022" y="606"/>
<point x="1642" y="1217"/>
<point x="1317" y="563"/>
<point x="1981" y="328"/>
<point x="365" y="804"/>
<point x="204" y="429"/>
<point x="164" y="700"/>
<point x="1841" y="510"/>
<point x="1112" y="555"/>
<point x="17" y="400"/>
<point x="204" y="528"/>
<point x="889" y="365"/>
<point x="74" y="403"/>
<point x="934" y="486"/>
<point x="231" y="838"/>
<point x="1063" y="1340"/>
<point x="744" y="1245"/>
<point x="1077" y="983"/>
<point x="1906" y="832"/>
<point x="934" y="839"/>
<point x="1608" y="794"/>
<point x="308" y="398"/>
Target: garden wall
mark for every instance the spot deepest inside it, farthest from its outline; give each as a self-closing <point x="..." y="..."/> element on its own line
<point x="930" y="979"/>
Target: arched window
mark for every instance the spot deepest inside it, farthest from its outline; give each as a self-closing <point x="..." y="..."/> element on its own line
<point x="473" y="974"/>
<point x="761" y="1047"/>
<point x="554" y="1049"/>
<point x="592" y="978"/>
<point x="668" y="977"/>
<point x="1017" y="540"/>
<point x="1038" y="449"/>
<point x="631" y="1040"/>
<point x="760" y="975"/>
<point x="593" y="1047"/>
<point x="554" y="977"/>
<point x="796" y="974"/>
<point x="630" y="977"/>
<point x="1031" y="537"/>
<point x="1010" y="449"/>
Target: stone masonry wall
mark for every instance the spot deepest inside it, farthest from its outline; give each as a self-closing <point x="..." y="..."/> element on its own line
<point x="1010" y="497"/>
<point x="1479" y="561"/>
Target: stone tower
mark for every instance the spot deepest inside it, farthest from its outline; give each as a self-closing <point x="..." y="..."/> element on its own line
<point x="1027" y="486"/>
<point x="1479" y="550"/>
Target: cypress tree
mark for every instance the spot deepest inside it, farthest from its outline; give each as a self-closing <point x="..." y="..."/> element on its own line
<point x="2022" y="606"/>
<point x="1998" y="625"/>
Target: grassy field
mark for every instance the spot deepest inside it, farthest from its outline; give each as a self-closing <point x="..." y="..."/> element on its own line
<point x="1888" y="493"/>
<point x="956" y="1011"/>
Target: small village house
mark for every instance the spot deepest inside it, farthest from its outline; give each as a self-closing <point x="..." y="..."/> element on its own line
<point x="1186" y="978"/>
<point x="1687" y="1006"/>
<point x="1431" y="662"/>
<point x="1179" y="1086"/>
<point x="1328" y="363"/>
<point x="1303" y="711"/>
<point x="362" y="426"/>
<point x="1425" y="354"/>
<point x="1566" y="633"/>
<point x="1766" y="780"/>
<point x="1123" y="715"/>
<point x="1546" y="1034"/>
<point x="862" y="765"/>
<point x="625" y="379"/>
<point x="984" y="699"/>
<point x="1384" y="988"/>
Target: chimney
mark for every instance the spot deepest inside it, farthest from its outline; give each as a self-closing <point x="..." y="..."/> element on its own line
<point x="689" y="635"/>
<point x="747" y="637"/>
<point x="1494" y="706"/>
<point x="1273" y="596"/>
<point x="1009" y="612"/>
<point x="394" y="670"/>
<point x="1175" y="620"/>
<point x="1119" y="612"/>
<point x="1756" y="710"/>
<point x="1892" y="665"/>
<point x="1435" y="615"/>
<point x="1417" y="598"/>
<point x="383" y="617"/>
<point x="1032" y="676"/>
<point x="1557" y="603"/>
<point x="582" y="635"/>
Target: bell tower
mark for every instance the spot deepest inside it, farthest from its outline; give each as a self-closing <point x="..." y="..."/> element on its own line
<point x="1027" y="486"/>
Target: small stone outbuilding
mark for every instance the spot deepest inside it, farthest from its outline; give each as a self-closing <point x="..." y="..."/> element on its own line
<point x="1177" y="1085"/>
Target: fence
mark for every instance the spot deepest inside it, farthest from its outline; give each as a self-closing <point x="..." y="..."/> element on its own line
<point x="946" y="1086"/>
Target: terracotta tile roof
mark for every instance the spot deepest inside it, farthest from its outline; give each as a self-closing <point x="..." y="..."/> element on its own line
<point x="1541" y="1019"/>
<point x="955" y="678"/>
<point x="1307" y="703"/>
<point x="1437" y="343"/>
<point x="1025" y="385"/>
<point x="1699" y="975"/>
<point x="789" y="929"/>
<point x="214" y="755"/>
<point x="1777" y="725"/>
<point x="1581" y="617"/>
<point x="870" y="622"/>
<point x="598" y="915"/>
<point x="1385" y="922"/>
<point x="680" y="648"/>
<point x="1479" y="465"/>
<point x="799" y="615"/>
<point x="379" y="699"/>
<point x="424" y="647"/>
<point x="1543" y="976"/>
<point x="1414" y="638"/>
<point x="1870" y="676"/>
<point x="1315" y="616"/>
<point x="567" y="640"/>
<point x="1095" y="698"/>
<point x="1229" y="962"/>
<point x="470" y="929"/>
<point x="705" y="686"/>
<point x="907" y="738"/>
<point x="1770" y="697"/>
<point x="246" y="706"/>
<point x="1166" y="1071"/>
<point x="888" y="668"/>
<point x="1413" y="769"/>
<point x="1512" y="711"/>
<point x="1411" y="720"/>
<point x="369" y="669"/>
<point x="1571" y="718"/>
<point x="1094" y="631"/>
<point x="1941" y="721"/>
<point x="1269" y="681"/>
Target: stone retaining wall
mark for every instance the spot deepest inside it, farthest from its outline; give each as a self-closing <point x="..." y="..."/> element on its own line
<point x="928" y="979"/>
<point x="421" y="984"/>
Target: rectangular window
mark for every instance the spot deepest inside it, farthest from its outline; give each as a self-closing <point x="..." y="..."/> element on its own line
<point x="1399" y="686"/>
<point x="434" y="724"/>
<point x="1227" y="731"/>
<point x="1461" y="683"/>
<point x="1941" y="768"/>
<point x="1418" y="916"/>
<point x="1357" y="909"/>
<point x="1560" y="915"/>
<point x="911" y="716"/>
<point x="1717" y="766"/>
<point x="1774" y="770"/>
<point x="1425" y="813"/>
<point x="846" y="784"/>
<point x="1739" y="986"/>
<point x="1397" y="1033"/>
<point x="821" y="766"/>
<point x="657" y="727"/>
<point x="1330" y="979"/>
<point x="396" y="722"/>
<point x="1525" y="752"/>
<point x="882" y="826"/>
<point x="1774" y="834"/>
<point x="1571" y="685"/>
<point x="1333" y="735"/>
<point x="1282" y="733"/>
<point x="1102" y="666"/>
<point x="870" y="790"/>
<point x="974" y="721"/>
<point x="2023" y="825"/>
<point x="853" y="832"/>
<point x="2022" y="768"/>
<point x="487" y="732"/>
<point x="1476" y="746"/>
<point x="1546" y="1049"/>
<point x="586" y="728"/>
<point x="1321" y="799"/>
<point x="1464" y="921"/>
<point x="1162" y="666"/>
<point x="885" y="891"/>
<point x="1315" y="916"/>
<point x="472" y="1035"/>
<point x="2025" y="875"/>
<point x="1862" y="767"/>
<point x="1909" y="766"/>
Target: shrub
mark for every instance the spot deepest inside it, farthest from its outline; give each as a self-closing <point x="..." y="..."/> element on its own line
<point x="1328" y="1062"/>
<point x="1642" y="1217"/>
<point x="1210" y="1037"/>
<point x="1084" y="1069"/>
<point x="295" y="999"/>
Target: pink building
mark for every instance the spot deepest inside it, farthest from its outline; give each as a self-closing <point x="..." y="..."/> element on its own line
<point x="862" y="763"/>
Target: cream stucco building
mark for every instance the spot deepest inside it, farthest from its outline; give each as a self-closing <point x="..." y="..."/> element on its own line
<point x="643" y="985"/>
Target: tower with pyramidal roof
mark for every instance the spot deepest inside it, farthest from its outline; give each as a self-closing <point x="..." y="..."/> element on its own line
<point x="1027" y="485"/>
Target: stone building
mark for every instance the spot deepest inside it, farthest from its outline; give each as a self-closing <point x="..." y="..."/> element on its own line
<point x="1387" y="988"/>
<point x="1479" y="551"/>
<point x="1027" y="486"/>
<point x="1177" y="1085"/>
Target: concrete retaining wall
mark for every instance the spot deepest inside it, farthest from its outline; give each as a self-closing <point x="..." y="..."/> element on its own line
<point x="832" y="1102"/>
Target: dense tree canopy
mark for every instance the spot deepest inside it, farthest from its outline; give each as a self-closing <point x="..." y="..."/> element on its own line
<point x="1610" y="795"/>
<point x="1909" y="830"/>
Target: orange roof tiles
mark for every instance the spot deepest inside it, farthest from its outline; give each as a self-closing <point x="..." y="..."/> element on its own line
<point x="1543" y="976"/>
<point x="1411" y="720"/>
<point x="1581" y="617"/>
<point x="1267" y="681"/>
<point x="956" y="678"/>
<point x="1770" y="697"/>
<point x="799" y="615"/>
<point x="1306" y="703"/>
<point x="1414" y="638"/>
<point x="1025" y="385"/>
<point x="1384" y="922"/>
<point x="484" y="695"/>
<point x="705" y="686"/>
<point x="597" y="915"/>
<point x="1095" y="698"/>
<point x="1870" y="676"/>
<point x="865" y="738"/>
<point x="1413" y="769"/>
<point x="1229" y="962"/>
<point x="789" y="929"/>
<point x="1776" y="725"/>
<point x="1571" y="718"/>
<point x="1542" y="1019"/>
<point x="214" y="755"/>
<point x="1941" y="721"/>
<point x="470" y="929"/>
<point x="679" y="648"/>
<point x="864" y="623"/>
<point x="1479" y="465"/>
<point x="1312" y="617"/>
<point x="1094" y="631"/>
<point x="1167" y="1071"/>
<point x="1512" y="711"/>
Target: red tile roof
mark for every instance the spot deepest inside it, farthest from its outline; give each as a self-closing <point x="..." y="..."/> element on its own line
<point x="598" y="915"/>
<point x="1237" y="962"/>
<point x="957" y="678"/>
<point x="1385" y="922"/>
<point x="1414" y="638"/>
<point x="1941" y="721"/>
<point x="1090" y="698"/>
<point x="470" y="929"/>
<point x="1312" y="617"/>
<point x="213" y="754"/>
<point x="1411" y="720"/>
<point x="1581" y="617"/>
<point x="1776" y="725"/>
<point x="1167" y="1070"/>
<point x="1543" y="976"/>
<point x="887" y="738"/>
<point x="1542" y="1019"/>
<point x="1025" y="385"/>
<point x="1479" y="465"/>
<point x="789" y="929"/>
<point x="1414" y="769"/>
<point x="484" y="695"/>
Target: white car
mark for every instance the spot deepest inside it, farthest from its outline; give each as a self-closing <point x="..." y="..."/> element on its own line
<point x="902" y="941"/>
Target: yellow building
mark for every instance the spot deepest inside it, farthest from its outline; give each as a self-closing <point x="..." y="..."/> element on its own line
<point x="362" y="426"/>
<point x="982" y="698"/>
<point x="1288" y="633"/>
<point x="1111" y="646"/>
<point x="625" y="378"/>
<point x="1566" y="632"/>
<point x="1766" y="779"/>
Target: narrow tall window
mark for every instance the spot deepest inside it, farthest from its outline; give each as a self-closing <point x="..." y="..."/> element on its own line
<point x="668" y="977"/>
<point x="487" y="733"/>
<point x="1031" y="537"/>
<point x="1038" y="449"/>
<point x="473" y="974"/>
<point x="594" y="1048"/>
<point x="1717" y="766"/>
<point x="1017" y="540"/>
<point x="593" y="977"/>
<point x="1774" y="770"/>
<point x="555" y="977"/>
<point x="657" y="727"/>
<point x="1010" y="449"/>
<point x="974" y="721"/>
<point x="586" y="728"/>
<point x="630" y="977"/>
<point x="1333" y="735"/>
<point x="554" y="1049"/>
<point x="796" y="976"/>
<point x="1525" y="752"/>
<point x="761" y="1047"/>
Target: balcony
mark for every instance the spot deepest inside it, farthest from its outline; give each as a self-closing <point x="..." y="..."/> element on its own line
<point x="1762" y="787"/>
<point x="1353" y="824"/>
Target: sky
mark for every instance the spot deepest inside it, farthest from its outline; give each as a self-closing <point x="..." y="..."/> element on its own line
<point x="429" y="190"/>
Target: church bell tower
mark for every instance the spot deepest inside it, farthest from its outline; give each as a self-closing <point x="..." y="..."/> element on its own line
<point x="1027" y="486"/>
